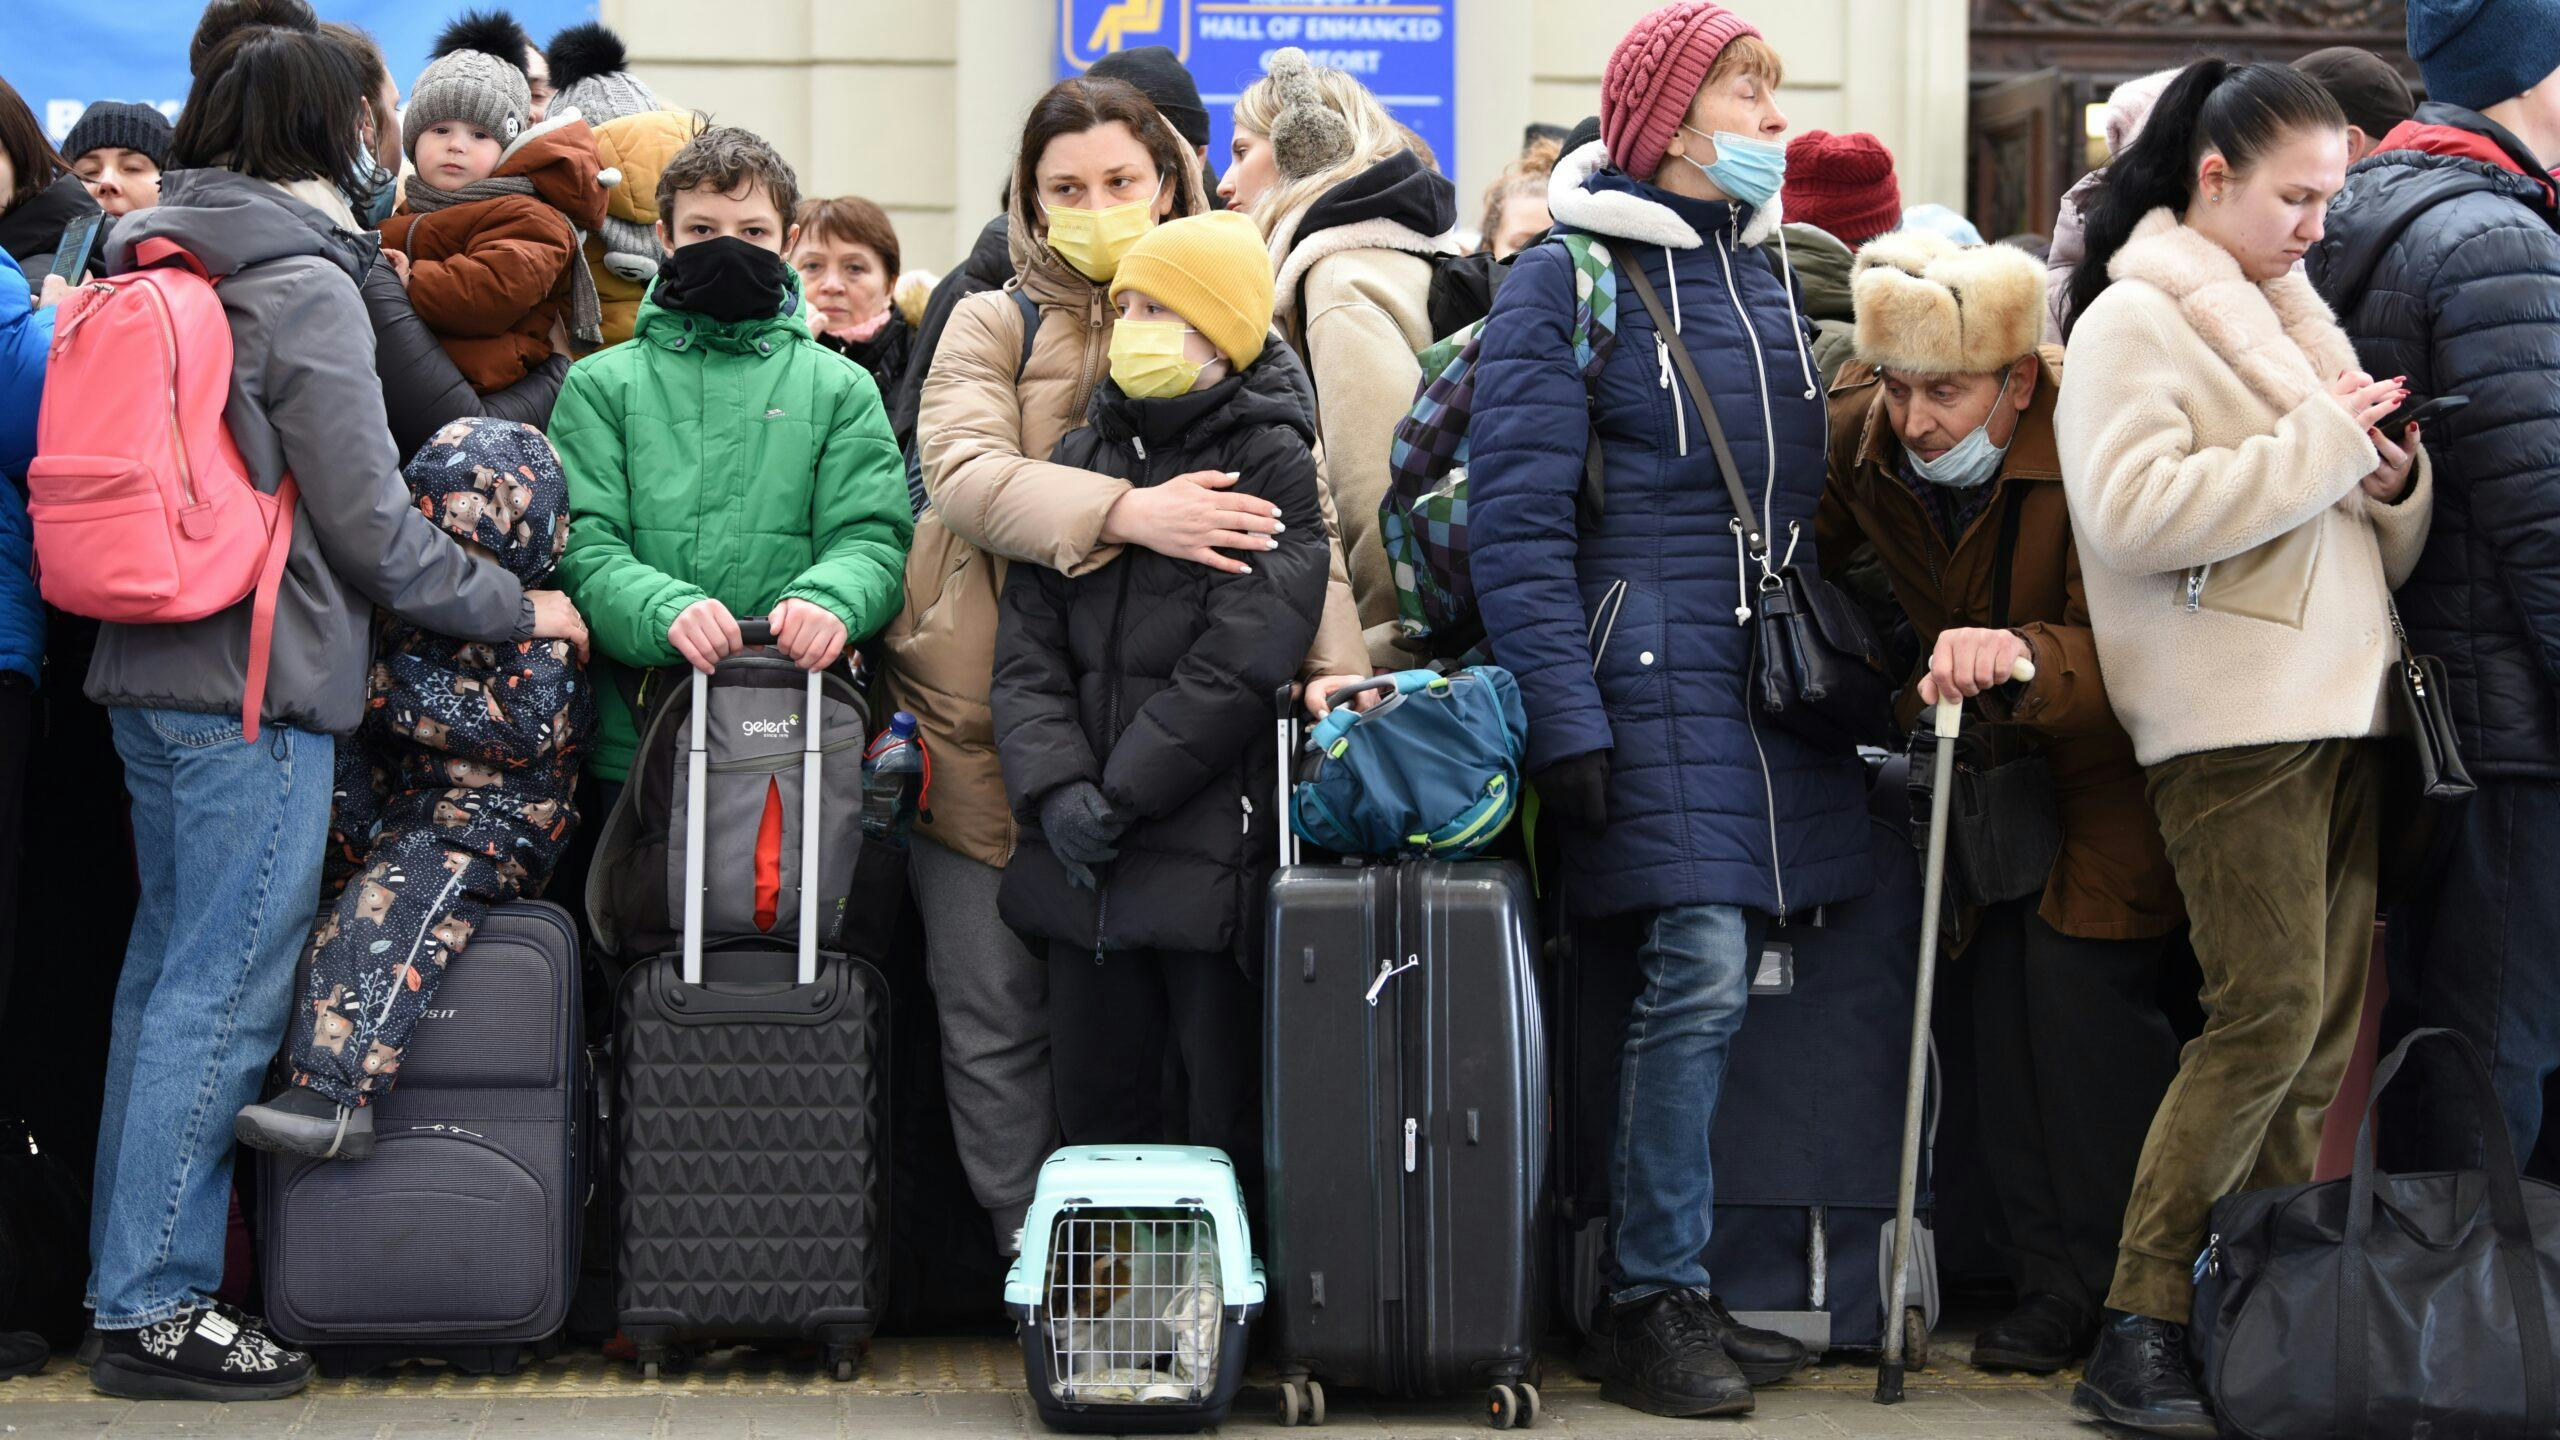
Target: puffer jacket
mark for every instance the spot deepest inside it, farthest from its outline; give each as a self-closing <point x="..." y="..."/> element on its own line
<point x="25" y="334"/>
<point x="303" y="398"/>
<point x="491" y="277"/>
<point x="32" y="229"/>
<point x="1821" y="264"/>
<point x="989" y="265"/>
<point x="623" y="253"/>
<point x="1152" y="679"/>
<point x="422" y="391"/>
<point x="1622" y="634"/>
<point x="742" y="463"/>
<point x="986" y="414"/>
<point x="2442" y="259"/>
<point x="1353" y="294"/>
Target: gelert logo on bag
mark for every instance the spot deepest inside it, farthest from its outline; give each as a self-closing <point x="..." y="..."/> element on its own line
<point x="768" y="729"/>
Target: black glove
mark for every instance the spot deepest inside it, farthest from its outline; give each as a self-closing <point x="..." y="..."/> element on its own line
<point x="1577" y="790"/>
<point x="1082" y="829"/>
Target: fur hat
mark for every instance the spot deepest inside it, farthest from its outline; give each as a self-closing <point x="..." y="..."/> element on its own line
<point x="591" y="70"/>
<point x="1927" y="305"/>
<point x="1308" y="136"/>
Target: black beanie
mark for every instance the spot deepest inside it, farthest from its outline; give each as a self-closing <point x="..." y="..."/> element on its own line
<point x="1160" y="76"/>
<point x="123" y="124"/>
<point x="1582" y="134"/>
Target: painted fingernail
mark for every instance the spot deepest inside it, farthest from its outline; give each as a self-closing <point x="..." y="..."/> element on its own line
<point x="1283" y="528"/>
<point x="1270" y="543"/>
<point x="1247" y="570"/>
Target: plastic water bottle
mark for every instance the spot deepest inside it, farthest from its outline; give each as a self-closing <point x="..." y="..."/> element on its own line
<point x="894" y="774"/>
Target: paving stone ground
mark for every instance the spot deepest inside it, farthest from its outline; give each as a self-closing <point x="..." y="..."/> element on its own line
<point x="971" y="1390"/>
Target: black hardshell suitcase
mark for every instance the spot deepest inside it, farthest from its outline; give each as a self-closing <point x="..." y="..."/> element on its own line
<point x="1405" y="1129"/>
<point x="458" y="1240"/>
<point x="750" y="1119"/>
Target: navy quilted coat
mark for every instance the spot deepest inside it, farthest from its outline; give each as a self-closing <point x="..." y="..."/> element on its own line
<point x="1623" y="634"/>
<point x="2442" y="259"/>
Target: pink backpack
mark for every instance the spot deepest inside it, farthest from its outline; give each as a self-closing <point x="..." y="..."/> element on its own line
<point x="144" y="511"/>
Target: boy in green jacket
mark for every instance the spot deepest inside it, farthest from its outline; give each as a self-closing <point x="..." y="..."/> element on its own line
<point x="721" y="462"/>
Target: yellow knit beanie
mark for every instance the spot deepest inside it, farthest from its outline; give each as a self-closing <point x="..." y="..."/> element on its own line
<point x="1213" y="271"/>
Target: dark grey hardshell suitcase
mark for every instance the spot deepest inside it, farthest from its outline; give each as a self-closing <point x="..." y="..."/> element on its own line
<point x="1405" y="1130"/>
<point x="751" y="1111"/>
<point x="458" y="1239"/>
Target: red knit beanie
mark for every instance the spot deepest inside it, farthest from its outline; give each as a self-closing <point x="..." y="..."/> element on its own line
<point x="1655" y="73"/>
<point x="1842" y="185"/>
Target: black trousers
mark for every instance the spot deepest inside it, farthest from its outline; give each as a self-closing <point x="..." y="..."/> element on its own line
<point x="1115" y="1024"/>
<point x="2073" y="1054"/>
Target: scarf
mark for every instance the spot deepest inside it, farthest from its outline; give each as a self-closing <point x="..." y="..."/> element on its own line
<point x="863" y="332"/>
<point x="586" y="310"/>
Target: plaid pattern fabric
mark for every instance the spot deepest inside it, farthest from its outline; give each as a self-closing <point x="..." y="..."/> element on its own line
<point x="1423" y="520"/>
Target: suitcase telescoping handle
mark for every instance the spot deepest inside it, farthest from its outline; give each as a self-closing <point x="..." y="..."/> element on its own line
<point x="1950" y="718"/>
<point x="697" y="763"/>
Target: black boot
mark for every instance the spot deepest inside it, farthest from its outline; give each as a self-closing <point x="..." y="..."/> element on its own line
<point x="2140" y="1378"/>
<point x="302" y="1121"/>
<point x="2042" y="1335"/>
<point x="1765" y="1357"/>
<point x="22" y="1352"/>
<point x="197" y="1354"/>
<point x="1667" y="1358"/>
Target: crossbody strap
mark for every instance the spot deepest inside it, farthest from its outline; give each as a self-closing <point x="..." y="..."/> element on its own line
<point x="2006" y="560"/>
<point x="1669" y="340"/>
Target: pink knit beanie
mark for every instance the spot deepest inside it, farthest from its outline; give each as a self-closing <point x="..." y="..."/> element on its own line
<point x="1653" y="75"/>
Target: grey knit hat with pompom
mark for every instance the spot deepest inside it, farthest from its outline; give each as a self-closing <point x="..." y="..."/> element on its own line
<point x="471" y="86"/>
<point x="1308" y="138"/>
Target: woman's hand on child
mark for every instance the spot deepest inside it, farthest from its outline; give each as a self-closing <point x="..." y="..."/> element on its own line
<point x="399" y="263"/>
<point x="1191" y="517"/>
<point x="705" y="634"/>
<point x="810" y="636"/>
<point x="2390" y="480"/>
<point x="555" y="617"/>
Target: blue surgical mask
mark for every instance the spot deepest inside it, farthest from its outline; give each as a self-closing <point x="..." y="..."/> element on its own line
<point x="1749" y="170"/>
<point x="374" y="204"/>
<point x="1974" y="459"/>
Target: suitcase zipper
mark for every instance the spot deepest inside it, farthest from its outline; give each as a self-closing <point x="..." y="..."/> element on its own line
<point x="1412" y="1132"/>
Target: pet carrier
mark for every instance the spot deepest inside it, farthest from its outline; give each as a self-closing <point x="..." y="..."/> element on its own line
<point x="1135" y="1289"/>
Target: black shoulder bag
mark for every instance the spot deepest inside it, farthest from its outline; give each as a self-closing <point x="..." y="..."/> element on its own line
<point x="2004" y="825"/>
<point x="1817" y="668"/>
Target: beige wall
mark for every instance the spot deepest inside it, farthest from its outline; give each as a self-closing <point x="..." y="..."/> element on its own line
<point x="916" y="103"/>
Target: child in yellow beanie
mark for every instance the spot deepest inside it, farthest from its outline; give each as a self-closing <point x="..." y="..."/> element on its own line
<point x="1133" y="708"/>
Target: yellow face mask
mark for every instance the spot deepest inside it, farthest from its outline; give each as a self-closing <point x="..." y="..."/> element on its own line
<point x="1147" y="360"/>
<point x="1094" y="240"/>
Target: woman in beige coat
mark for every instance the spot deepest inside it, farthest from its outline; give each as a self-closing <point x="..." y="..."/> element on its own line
<point x="2241" y="526"/>
<point x="1354" y="212"/>
<point x="1098" y="168"/>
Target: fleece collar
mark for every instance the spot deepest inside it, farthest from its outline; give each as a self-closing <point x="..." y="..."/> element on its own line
<point x="2279" y="337"/>
<point x="1586" y="194"/>
<point x="1294" y="258"/>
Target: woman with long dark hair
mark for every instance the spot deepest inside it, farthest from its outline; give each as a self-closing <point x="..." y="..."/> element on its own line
<point x="2241" y="526"/>
<point x="228" y="830"/>
<point x="39" y="195"/>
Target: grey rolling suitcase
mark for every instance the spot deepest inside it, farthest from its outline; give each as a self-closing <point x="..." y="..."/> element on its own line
<point x="1405" y="1129"/>
<point x="751" y="1104"/>
<point x="458" y="1239"/>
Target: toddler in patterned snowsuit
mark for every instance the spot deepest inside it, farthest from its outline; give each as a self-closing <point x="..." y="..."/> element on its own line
<point x="457" y="793"/>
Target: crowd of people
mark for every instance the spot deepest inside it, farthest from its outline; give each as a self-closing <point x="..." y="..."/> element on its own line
<point x="557" y="382"/>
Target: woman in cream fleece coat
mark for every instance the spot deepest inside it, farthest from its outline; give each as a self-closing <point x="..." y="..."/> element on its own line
<point x="2241" y="528"/>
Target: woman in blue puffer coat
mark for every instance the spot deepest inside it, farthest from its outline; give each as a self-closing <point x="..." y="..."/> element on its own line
<point x="1624" y="638"/>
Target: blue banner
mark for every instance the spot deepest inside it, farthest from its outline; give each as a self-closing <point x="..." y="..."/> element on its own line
<point x="62" y="54"/>
<point x="1405" y="51"/>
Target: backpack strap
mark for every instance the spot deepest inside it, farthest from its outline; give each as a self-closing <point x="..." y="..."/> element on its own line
<point x="1030" y="309"/>
<point x="262" y="611"/>
<point x="161" y="250"/>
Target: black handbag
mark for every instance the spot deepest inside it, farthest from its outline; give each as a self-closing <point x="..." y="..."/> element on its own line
<point x="2427" y="710"/>
<point x="2427" y="779"/>
<point x="1817" y="668"/>
<point x="2387" y="1305"/>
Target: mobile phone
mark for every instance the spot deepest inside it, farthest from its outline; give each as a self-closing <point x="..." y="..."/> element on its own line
<point x="2419" y="412"/>
<point x="71" y="256"/>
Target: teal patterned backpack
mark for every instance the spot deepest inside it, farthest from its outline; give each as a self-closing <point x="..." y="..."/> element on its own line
<point x="1423" y="519"/>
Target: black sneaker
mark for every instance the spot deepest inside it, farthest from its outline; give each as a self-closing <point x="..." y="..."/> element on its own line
<point x="1667" y="1358"/>
<point x="1597" y="1359"/>
<point x="1765" y="1357"/>
<point x="197" y="1354"/>
<point x="22" y="1352"/>
<point x="2139" y="1378"/>
<point x="2044" y="1334"/>
<point x="302" y="1121"/>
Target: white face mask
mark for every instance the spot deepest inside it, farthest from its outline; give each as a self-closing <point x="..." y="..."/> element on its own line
<point x="1973" y="460"/>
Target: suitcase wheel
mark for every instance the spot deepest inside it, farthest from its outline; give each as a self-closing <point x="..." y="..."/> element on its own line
<point x="1503" y="1407"/>
<point x="1532" y="1405"/>
<point x="1915" y="1338"/>
<point x="653" y="1361"/>
<point x="840" y="1361"/>
<point x="1301" y="1402"/>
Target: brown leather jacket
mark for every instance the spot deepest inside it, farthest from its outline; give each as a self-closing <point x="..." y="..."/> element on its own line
<point x="2112" y="881"/>
<point x="491" y="277"/>
<point x="986" y="437"/>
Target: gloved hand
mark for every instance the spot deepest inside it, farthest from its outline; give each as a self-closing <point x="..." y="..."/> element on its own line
<point x="1082" y="829"/>
<point x="1577" y="790"/>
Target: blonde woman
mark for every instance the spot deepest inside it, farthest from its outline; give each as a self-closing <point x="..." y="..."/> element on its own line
<point x="1353" y="210"/>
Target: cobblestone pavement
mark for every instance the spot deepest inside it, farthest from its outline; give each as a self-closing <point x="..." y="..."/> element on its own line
<point x="970" y="1390"/>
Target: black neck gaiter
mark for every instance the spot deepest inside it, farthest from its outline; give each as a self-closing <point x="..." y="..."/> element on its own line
<point x="726" y="279"/>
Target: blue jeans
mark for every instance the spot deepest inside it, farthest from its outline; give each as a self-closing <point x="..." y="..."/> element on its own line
<point x="228" y="836"/>
<point x="1696" y="963"/>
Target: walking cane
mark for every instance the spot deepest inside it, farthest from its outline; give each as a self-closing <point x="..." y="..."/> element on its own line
<point x="1914" y="1103"/>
